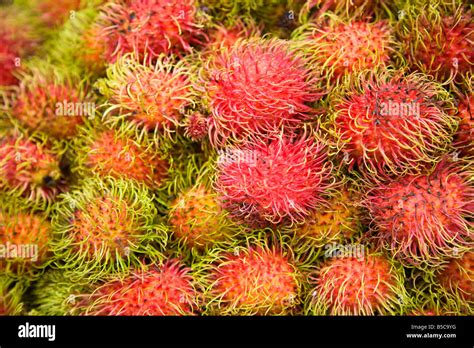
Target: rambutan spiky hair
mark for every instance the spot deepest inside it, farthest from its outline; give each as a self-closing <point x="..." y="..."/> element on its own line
<point x="256" y="87"/>
<point x="337" y="47"/>
<point x="105" y="225"/>
<point x="423" y="219"/>
<point x="273" y="181"/>
<point x="437" y="38"/>
<point x="255" y="276"/>
<point x="118" y="152"/>
<point x="168" y="289"/>
<point x="153" y="96"/>
<point x="387" y="124"/>
<point x="351" y="285"/>
<point x="11" y="293"/>
<point x="30" y="167"/>
<point x="149" y="27"/>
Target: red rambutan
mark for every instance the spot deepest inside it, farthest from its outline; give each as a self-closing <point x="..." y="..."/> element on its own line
<point x="457" y="277"/>
<point x="424" y="219"/>
<point x="257" y="280"/>
<point x="30" y="168"/>
<point x="280" y="181"/>
<point x="149" y="27"/>
<point x="256" y="87"/>
<point x="167" y="290"/>
<point x="357" y="286"/>
<point x="393" y="125"/>
<point x="464" y="137"/>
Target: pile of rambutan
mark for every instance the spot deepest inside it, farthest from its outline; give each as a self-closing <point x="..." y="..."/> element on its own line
<point x="236" y="157"/>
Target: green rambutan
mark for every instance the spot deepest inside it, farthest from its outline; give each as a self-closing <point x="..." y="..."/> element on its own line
<point x="30" y="167"/>
<point x="256" y="87"/>
<point x="387" y="124"/>
<point x="11" y="293"/>
<point x="118" y="153"/>
<point x="197" y="220"/>
<point x="276" y="181"/>
<point x="149" y="28"/>
<point x="349" y="285"/>
<point x="168" y="290"/>
<point x="437" y="39"/>
<point x="106" y="225"/>
<point x="255" y="279"/>
<point x="153" y="96"/>
<point x="423" y="219"/>
<point x="335" y="48"/>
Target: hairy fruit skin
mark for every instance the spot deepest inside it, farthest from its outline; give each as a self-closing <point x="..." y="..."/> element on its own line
<point x="353" y="286"/>
<point x="392" y="125"/>
<point x="165" y="291"/>
<point x="10" y="296"/>
<point x="104" y="225"/>
<point x="457" y="277"/>
<point x="439" y="44"/>
<point x="197" y="219"/>
<point x="153" y="96"/>
<point x="252" y="281"/>
<point x="117" y="153"/>
<point x="256" y="87"/>
<point x="149" y="28"/>
<point x="337" y="48"/>
<point x="29" y="168"/>
<point x="277" y="182"/>
<point x="24" y="229"/>
<point x="464" y="137"/>
<point x="39" y="106"/>
<point x="422" y="219"/>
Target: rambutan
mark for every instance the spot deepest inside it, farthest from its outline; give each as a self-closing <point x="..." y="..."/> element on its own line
<point x="341" y="7"/>
<point x="256" y="87"/>
<point x="464" y="137"/>
<point x="51" y="106"/>
<point x="438" y="40"/>
<point x="197" y="126"/>
<point x="197" y="219"/>
<point x="338" y="220"/>
<point x="30" y="168"/>
<point x="117" y="152"/>
<point x="254" y="280"/>
<point x="166" y="290"/>
<point x="336" y="48"/>
<point x="24" y="238"/>
<point x="350" y="285"/>
<point x="457" y="277"/>
<point x="222" y="37"/>
<point x="280" y="181"/>
<point x="11" y="293"/>
<point x="422" y="219"/>
<point x="390" y="125"/>
<point x="55" y="12"/>
<point x="153" y="96"/>
<point x="105" y="225"/>
<point x="149" y="27"/>
<point x="18" y="39"/>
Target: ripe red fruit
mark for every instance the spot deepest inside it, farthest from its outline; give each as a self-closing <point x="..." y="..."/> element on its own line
<point x="423" y="219"/>
<point x="458" y="276"/>
<point x="30" y="168"/>
<point x="168" y="290"/>
<point x="256" y="280"/>
<point x="275" y="182"/>
<point x="357" y="286"/>
<point x="256" y="87"/>
<point x="464" y="137"/>
<point x="393" y="125"/>
<point x="149" y="27"/>
<point x="338" y="48"/>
